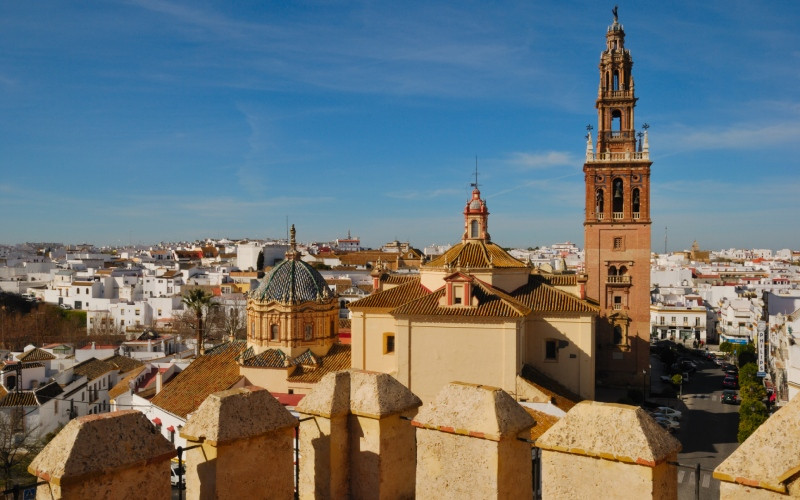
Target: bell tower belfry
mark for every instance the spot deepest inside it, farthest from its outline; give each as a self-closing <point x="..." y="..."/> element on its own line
<point x="617" y="223"/>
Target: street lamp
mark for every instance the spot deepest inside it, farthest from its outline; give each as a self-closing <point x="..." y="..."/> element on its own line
<point x="644" y="384"/>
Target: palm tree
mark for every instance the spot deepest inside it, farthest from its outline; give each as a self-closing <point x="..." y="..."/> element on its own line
<point x="199" y="301"/>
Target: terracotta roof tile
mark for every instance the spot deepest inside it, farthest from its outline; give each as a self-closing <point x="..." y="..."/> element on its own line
<point x="12" y="365"/>
<point x="563" y="397"/>
<point x="561" y="279"/>
<point x="36" y="355"/>
<point x="543" y="422"/>
<point x="215" y="371"/>
<point x="393" y="297"/>
<point x="93" y="368"/>
<point x="123" y="363"/>
<point x="22" y="398"/>
<point x="271" y="358"/>
<point x="398" y="279"/>
<point x="475" y="254"/>
<point x="492" y="303"/>
<point x="337" y="359"/>
<point x="124" y="384"/>
<point x="47" y="392"/>
<point x="542" y="297"/>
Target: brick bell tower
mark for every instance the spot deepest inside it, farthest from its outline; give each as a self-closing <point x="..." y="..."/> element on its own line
<point x="617" y="225"/>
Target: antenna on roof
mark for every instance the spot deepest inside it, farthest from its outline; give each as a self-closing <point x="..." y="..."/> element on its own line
<point x="475" y="184"/>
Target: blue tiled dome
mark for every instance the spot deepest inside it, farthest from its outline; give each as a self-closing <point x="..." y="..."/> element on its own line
<point x="293" y="281"/>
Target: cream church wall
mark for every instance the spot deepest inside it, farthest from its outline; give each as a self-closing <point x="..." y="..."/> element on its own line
<point x="431" y="354"/>
<point x="367" y="342"/>
<point x="576" y="374"/>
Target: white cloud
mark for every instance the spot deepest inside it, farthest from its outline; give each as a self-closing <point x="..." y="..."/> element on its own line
<point x="542" y="160"/>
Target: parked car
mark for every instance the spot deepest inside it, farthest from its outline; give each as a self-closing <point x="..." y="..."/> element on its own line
<point x="666" y="410"/>
<point x="730" y="382"/>
<point x="668" y="424"/>
<point x="174" y="477"/>
<point x="730" y="397"/>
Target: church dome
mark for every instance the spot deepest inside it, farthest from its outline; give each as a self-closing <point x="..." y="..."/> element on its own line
<point x="293" y="281"/>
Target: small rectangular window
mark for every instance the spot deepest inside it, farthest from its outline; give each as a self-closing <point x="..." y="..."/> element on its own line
<point x="550" y="350"/>
<point x="388" y="344"/>
<point x="618" y="243"/>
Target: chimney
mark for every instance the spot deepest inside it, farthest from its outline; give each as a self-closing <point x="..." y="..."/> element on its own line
<point x="582" y="279"/>
<point x="159" y="380"/>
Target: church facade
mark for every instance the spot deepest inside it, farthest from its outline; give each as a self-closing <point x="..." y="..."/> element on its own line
<point x="478" y="315"/>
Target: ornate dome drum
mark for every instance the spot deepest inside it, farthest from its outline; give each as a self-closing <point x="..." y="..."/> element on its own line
<point x="293" y="309"/>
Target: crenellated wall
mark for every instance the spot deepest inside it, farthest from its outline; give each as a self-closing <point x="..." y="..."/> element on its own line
<point x="364" y="435"/>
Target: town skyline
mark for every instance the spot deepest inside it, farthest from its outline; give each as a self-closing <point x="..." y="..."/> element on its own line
<point x="179" y="121"/>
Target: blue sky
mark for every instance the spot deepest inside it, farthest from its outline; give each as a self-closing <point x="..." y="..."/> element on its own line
<point x="151" y="121"/>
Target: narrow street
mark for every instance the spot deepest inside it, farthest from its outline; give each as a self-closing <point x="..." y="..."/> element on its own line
<point x="708" y="428"/>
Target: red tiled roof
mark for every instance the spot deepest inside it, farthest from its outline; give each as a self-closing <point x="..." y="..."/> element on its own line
<point x="491" y="303"/>
<point x="475" y="254"/>
<point x="215" y="371"/>
<point x="338" y="358"/>
<point x="93" y="368"/>
<point x="36" y="355"/>
<point x="561" y="279"/>
<point x="288" y="399"/>
<point x="123" y="385"/>
<point x="391" y="298"/>
<point x="541" y="297"/>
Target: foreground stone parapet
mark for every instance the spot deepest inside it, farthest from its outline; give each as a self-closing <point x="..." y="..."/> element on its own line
<point x="467" y="445"/>
<point x="111" y="455"/>
<point x="246" y="442"/>
<point x="353" y="442"/>
<point x="609" y="450"/>
<point x="767" y="464"/>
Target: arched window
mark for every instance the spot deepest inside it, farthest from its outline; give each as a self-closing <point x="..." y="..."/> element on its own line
<point x="599" y="199"/>
<point x="618" y="195"/>
<point x="635" y="196"/>
<point x="11" y="382"/>
<point x="617" y="334"/>
<point x="309" y="332"/>
<point x="252" y="329"/>
<point x="616" y="80"/>
<point x="616" y="122"/>
<point x="623" y="270"/>
<point x="612" y="271"/>
<point x="473" y="229"/>
<point x="274" y="332"/>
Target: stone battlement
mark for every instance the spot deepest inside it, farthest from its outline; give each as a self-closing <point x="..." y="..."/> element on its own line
<point x="365" y="435"/>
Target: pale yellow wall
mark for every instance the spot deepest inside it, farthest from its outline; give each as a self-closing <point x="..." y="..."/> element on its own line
<point x="567" y="475"/>
<point x="149" y="481"/>
<point x="432" y="354"/>
<point x="576" y="374"/>
<point x="367" y="342"/>
<point x="271" y="379"/>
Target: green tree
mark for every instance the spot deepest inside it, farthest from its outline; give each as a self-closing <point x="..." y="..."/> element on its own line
<point x="199" y="302"/>
<point x="752" y="412"/>
<point x="726" y="347"/>
<point x="746" y="353"/>
<point x="260" y="261"/>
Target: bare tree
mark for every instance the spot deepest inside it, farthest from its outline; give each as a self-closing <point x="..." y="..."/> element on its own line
<point x="230" y="318"/>
<point x="19" y="444"/>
